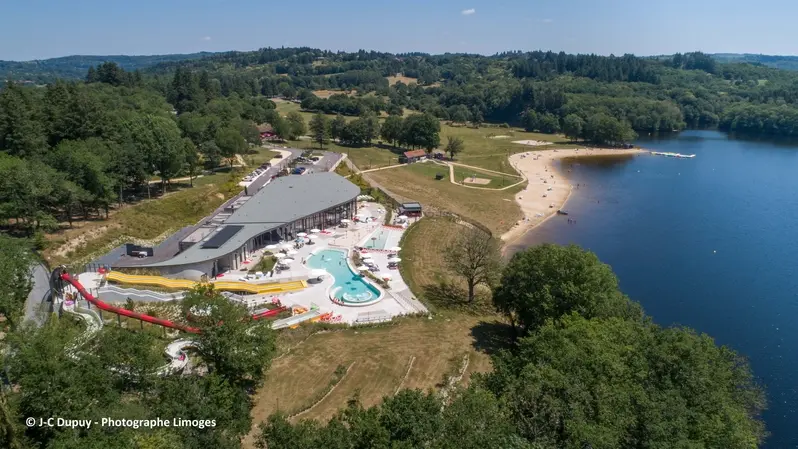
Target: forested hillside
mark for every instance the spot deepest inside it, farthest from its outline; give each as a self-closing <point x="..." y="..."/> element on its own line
<point x="644" y="94"/>
<point x="775" y="61"/>
<point x="74" y="67"/>
<point x="74" y="148"/>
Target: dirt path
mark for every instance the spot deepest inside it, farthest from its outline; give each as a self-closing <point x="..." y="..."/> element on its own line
<point x="452" y="180"/>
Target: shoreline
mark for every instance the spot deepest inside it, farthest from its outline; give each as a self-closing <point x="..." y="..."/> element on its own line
<point x="543" y="177"/>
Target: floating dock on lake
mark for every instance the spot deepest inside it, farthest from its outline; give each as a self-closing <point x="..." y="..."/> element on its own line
<point x="678" y="155"/>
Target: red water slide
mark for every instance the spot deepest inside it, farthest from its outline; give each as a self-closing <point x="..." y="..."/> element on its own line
<point x="268" y="313"/>
<point x="124" y="312"/>
<point x="140" y="316"/>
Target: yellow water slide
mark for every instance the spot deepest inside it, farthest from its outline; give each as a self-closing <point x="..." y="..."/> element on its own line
<point x="230" y="286"/>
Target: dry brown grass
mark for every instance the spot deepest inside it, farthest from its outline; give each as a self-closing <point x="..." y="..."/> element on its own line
<point x="405" y="79"/>
<point x="381" y="357"/>
<point x="423" y="246"/>
<point x="329" y="93"/>
<point x="149" y="220"/>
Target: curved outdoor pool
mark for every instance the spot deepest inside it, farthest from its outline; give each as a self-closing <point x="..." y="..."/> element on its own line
<point x="349" y="287"/>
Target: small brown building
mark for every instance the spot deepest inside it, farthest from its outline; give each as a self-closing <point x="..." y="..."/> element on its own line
<point x="414" y="156"/>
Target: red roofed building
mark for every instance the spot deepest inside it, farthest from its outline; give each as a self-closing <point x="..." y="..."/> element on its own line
<point x="414" y="156"/>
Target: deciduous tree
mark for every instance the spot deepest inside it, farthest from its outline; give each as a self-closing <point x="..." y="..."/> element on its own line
<point x="391" y="129"/>
<point x="573" y="126"/>
<point x="547" y="282"/>
<point x="454" y="145"/>
<point x="16" y="261"/>
<point x="337" y="126"/>
<point x="230" y="143"/>
<point x="320" y="128"/>
<point x="231" y="343"/>
<point x="297" y="124"/>
<point x="474" y="256"/>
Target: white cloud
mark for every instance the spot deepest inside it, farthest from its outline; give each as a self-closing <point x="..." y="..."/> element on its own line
<point x="468" y="12"/>
<point x="547" y="20"/>
<point x="206" y="38"/>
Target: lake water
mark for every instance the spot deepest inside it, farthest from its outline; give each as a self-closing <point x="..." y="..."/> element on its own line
<point x="709" y="242"/>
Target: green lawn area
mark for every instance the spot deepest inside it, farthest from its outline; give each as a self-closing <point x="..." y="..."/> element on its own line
<point x="259" y="156"/>
<point x="497" y="210"/>
<point x="496" y="181"/>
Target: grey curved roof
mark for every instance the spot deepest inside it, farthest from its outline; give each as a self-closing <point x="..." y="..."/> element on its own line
<point x="292" y="197"/>
<point x="283" y="201"/>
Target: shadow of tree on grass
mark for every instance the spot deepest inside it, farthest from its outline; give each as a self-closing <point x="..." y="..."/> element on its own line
<point x="452" y="296"/>
<point x="492" y="336"/>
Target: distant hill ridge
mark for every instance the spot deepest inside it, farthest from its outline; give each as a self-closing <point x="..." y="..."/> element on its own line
<point x="43" y="71"/>
<point x="73" y="67"/>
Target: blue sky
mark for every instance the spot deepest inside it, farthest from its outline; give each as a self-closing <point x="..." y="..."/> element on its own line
<point x="36" y="29"/>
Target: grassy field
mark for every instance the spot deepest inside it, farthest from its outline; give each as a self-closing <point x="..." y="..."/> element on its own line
<point x="497" y="210"/>
<point x="495" y="181"/>
<point x="147" y="220"/>
<point x="405" y="79"/>
<point x="259" y="156"/>
<point x="423" y="246"/>
<point x="381" y="358"/>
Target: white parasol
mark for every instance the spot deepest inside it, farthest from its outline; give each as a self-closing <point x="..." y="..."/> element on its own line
<point x="301" y="234"/>
<point x="394" y="249"/>
<point x="280" y="255"/>
<point x="394" y="260"/>
<point x="346" y="220"/>
<point x="315" y="231"/>
<point x="271" y="246"/>
<point x="292" y="252"/>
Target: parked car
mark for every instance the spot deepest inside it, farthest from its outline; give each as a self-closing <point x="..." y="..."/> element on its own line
<point x="299" y="171"/>
<point x="315" y="159"/>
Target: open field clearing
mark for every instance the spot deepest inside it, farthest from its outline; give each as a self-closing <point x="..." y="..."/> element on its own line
<point x="497" y="210"/>
<point x="259" y="156"/>
<point x="405" y="79"/>
<point x="467" y="176"/>
<point x="329" y="93"/>
<point x="381" y="357"/>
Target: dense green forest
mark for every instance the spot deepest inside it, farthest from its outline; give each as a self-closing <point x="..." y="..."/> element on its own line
<point x="644" y="94"/>
<point x="74" y="67"/>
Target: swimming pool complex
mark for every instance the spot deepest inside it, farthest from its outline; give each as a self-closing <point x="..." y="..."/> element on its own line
<point x="348" y="287"/>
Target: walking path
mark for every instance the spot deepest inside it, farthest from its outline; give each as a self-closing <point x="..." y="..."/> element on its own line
<point x="452" y="180"/>
<point x="37" y="297"/>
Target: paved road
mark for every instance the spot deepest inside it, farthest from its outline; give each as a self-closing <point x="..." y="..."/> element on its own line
<point x="41" y="288"/>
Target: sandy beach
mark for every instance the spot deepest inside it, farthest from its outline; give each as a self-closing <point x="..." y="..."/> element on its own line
<point x="548" y="189"/>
